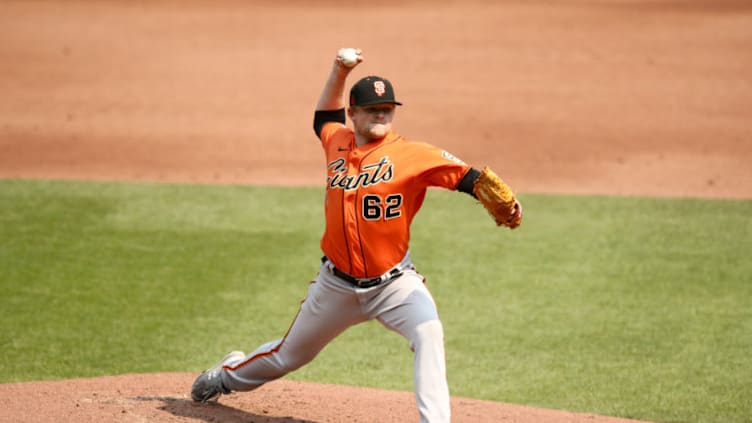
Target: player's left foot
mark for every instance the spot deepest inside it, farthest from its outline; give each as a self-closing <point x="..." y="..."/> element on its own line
<point x="209" y="384"/>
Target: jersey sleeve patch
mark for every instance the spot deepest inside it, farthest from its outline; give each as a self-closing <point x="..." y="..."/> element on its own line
<point x="449" y="156"/>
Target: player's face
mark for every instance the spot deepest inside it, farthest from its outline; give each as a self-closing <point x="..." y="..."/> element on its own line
<point x="372" y="121"/>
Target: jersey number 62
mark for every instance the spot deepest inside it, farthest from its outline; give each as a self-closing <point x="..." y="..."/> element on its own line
<point x="374" y="208"/>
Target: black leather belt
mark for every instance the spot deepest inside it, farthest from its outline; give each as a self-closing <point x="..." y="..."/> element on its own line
<point x="363" y="283"/>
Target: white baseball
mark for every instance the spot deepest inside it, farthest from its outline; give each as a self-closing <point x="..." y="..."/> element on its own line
<point x="349" y="56"/>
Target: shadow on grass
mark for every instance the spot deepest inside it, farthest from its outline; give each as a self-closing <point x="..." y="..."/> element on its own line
<point x="214" y="411"/>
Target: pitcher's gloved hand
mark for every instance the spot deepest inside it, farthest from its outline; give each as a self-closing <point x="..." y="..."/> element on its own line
<point x="498" y="199"/>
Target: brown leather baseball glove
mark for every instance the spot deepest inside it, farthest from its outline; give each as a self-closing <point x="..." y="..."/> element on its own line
<point x="498" y="199"/>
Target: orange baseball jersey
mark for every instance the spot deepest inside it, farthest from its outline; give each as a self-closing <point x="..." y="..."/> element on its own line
<point x="372" y="194"/>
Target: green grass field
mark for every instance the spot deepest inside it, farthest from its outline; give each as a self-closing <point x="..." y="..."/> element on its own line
<point x="630" y="307"/>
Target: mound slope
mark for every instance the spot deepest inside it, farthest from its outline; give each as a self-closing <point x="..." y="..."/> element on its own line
<point x="165" y="397"/>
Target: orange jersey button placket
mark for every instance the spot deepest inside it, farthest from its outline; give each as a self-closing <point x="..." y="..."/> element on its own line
<point x="351" y="216"/>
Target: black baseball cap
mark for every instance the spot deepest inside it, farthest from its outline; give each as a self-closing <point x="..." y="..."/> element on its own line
<point x="372" y="90"/>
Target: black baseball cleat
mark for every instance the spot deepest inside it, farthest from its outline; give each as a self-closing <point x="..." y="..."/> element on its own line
<point x="208" y="385"/>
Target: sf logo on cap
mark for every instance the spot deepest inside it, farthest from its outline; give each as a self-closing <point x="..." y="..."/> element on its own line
<point x="379" y="87"/>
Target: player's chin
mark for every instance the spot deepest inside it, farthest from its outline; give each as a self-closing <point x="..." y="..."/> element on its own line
<point x="378" y="130"/>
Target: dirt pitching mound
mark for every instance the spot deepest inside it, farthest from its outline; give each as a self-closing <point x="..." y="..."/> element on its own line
<point x="165" y="397"/>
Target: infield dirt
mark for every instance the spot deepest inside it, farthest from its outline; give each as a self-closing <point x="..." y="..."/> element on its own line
<point x="622" y="97"/>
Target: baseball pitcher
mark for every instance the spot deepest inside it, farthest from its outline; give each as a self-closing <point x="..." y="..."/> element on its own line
<point x="376" y="183"/>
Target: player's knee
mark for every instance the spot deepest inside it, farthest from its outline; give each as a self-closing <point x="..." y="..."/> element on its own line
<point x="427" y="334"/>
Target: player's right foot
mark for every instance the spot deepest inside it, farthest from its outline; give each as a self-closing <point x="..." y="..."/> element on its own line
<point x="209" y="384"/>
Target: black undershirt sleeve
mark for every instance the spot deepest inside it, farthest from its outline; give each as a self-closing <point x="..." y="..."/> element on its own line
<point x="468" y="181"/>
<point x="321" y="117"/>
